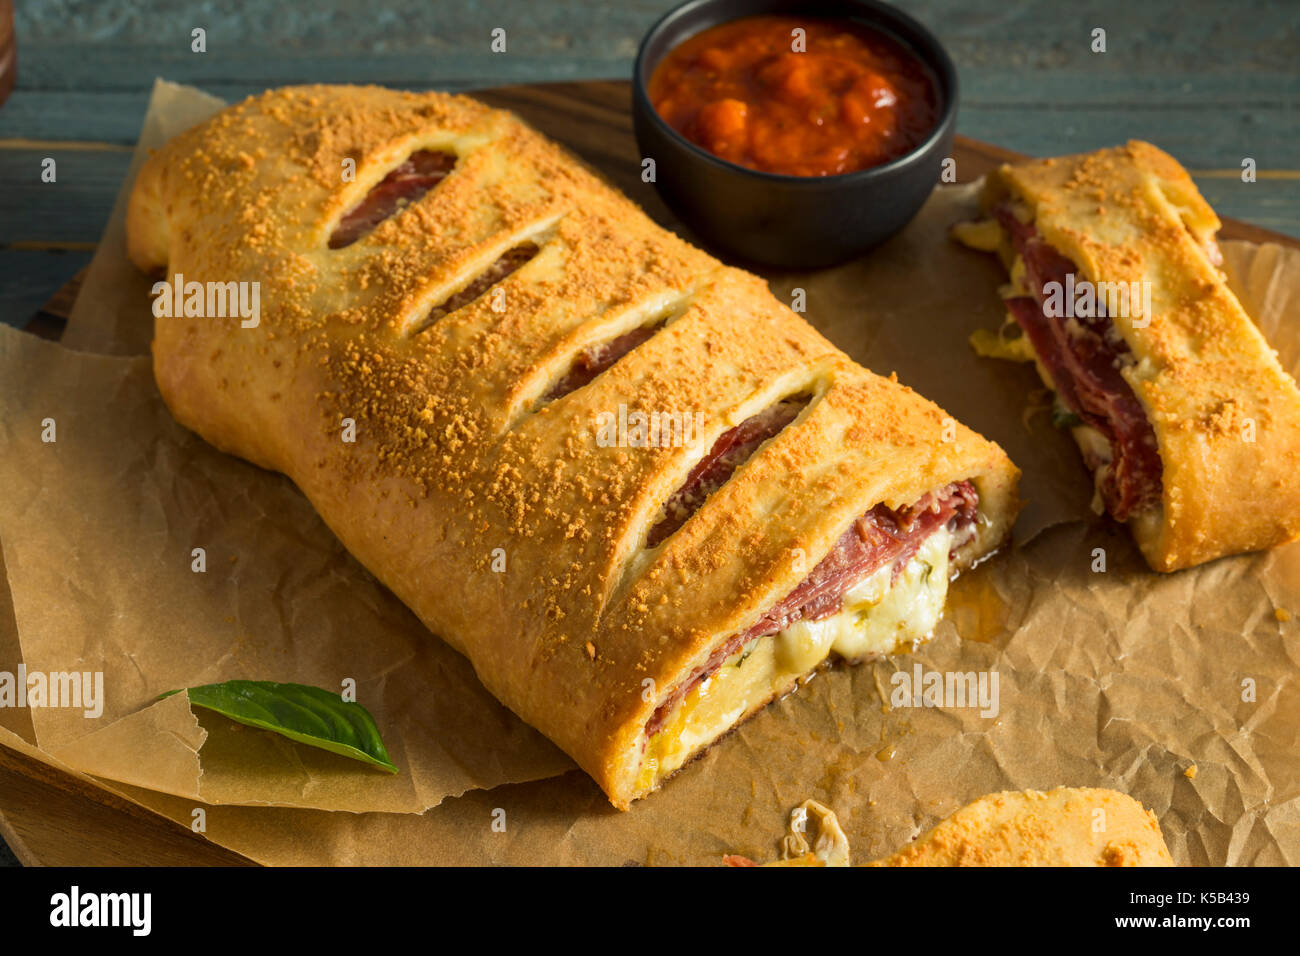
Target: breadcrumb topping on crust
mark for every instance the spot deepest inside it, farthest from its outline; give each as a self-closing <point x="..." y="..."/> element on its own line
<point x="1225" y="414"/>
<point x="501" y="521"/>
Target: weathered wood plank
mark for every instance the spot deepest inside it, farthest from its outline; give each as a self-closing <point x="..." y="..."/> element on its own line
<point x="49" y="814"/>
<point x="1174" y="102"/>
<point x="1217" y="139"/>
<point x="73" y="210"/>
<point x="70" y="210"/>
<point x="1044" y="35"/>
<point x="28" y="277"/>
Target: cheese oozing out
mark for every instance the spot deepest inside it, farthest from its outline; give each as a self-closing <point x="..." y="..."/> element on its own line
<point x="879" y="616"/>
<point x="982" y="234"/>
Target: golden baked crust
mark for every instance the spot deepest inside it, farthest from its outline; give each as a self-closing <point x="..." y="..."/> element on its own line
<point x="1062" y="827"/>
<point x="1225" y="414"/>
<point x="456" y="465"/>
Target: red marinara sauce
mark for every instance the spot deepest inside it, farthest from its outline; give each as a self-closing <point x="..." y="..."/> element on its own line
<point x="837" y="98"/>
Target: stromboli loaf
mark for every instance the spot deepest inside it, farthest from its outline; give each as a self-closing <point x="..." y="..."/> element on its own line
<point x="467" y="455"/>
<point x="1211" y="461"/>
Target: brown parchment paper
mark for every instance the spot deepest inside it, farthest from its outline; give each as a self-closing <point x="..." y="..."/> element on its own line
<point x="1117" y="677"/>
<point x="98" y="531"/>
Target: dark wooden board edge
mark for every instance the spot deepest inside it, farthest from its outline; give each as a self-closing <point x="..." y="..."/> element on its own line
<point x="593" y="119"/>
<point x="47" y="814"/>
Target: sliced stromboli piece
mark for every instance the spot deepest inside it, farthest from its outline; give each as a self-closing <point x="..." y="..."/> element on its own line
<point x="602" y="470"/>
<point x="1180" y="407"/>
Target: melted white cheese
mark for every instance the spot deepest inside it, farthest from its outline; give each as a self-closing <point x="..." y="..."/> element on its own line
<point x="983" y="234"/>
<point x="878" y="617"/>
<point x="994" y="345"/>
<point x="1018" y="277"/>
<point x="1094" y="445"/>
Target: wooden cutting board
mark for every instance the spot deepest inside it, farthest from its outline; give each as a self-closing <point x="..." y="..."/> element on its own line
<point x="50" y="818"/>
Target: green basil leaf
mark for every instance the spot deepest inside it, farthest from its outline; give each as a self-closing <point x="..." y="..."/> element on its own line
<point x="1062" y="417"/>
<point x="309" y="715"/>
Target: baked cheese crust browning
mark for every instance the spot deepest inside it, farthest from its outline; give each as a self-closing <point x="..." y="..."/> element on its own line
<point x="487" y="506"/>
<point x="1063" y="827"/>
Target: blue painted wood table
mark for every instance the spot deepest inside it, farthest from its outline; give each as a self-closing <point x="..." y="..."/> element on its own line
<point x="1213" y="83"/>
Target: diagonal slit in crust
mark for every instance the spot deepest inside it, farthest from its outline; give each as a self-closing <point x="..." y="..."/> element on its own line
<point x="509" y="261"/>
<point x="594" y="359"/>
<point x="410" y="180"/>
<point x="598" y="357"/>
<point x="730" y="450"/>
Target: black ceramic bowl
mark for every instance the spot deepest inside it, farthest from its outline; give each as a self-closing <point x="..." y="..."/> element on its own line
<point x="790" y="221"/>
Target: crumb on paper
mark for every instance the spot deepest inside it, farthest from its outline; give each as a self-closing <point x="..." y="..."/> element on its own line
<point x="1190" y="772"/>
<point x="591" y="650"/>
<point x="1282" y="614"/>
